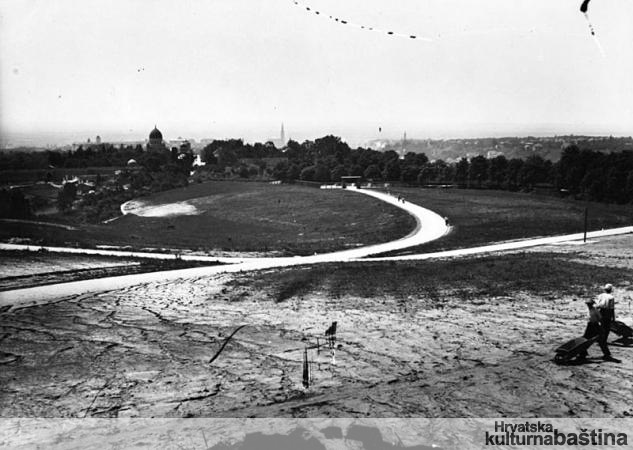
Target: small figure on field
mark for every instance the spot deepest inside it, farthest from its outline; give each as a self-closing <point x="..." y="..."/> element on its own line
<point x="330" y="335"/>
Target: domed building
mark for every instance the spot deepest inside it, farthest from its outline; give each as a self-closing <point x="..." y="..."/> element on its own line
<point x="156" y="141"/>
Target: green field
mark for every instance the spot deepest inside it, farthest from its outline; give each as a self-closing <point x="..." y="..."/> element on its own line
<point x="235" y="216"/>
<point x="298" y="220"/>
<point x="479" y="217"/>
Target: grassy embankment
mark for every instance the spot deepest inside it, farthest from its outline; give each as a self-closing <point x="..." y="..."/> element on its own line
<point x="469" y="279"/>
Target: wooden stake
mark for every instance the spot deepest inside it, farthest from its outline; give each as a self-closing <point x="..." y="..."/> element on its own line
<point x="306" y="369"/>
<point x="586" y="214"/>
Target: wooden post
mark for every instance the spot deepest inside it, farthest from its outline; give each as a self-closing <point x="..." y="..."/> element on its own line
<point x="586" y="214"/>
<point x="306" y="369"/>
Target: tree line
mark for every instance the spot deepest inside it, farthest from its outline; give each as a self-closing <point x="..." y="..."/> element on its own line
<point x="154" y="172"/>
<point x="582" y="173"/>
<point x="95" y="155"/>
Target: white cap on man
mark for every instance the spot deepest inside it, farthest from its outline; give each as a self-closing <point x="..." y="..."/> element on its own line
<point x="608" y="287"/>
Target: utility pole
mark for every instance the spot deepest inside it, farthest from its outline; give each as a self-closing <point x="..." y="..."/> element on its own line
<point x="306" y="369"/>
<point x="586" y="214"/>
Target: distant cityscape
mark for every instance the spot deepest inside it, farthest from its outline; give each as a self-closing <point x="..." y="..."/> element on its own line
<point x="71" y="141"/>
<point x="447" y="148"/>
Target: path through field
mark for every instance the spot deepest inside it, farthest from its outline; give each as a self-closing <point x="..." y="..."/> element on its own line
<point x="430" y="226"/>
<point x="146" y="346"/>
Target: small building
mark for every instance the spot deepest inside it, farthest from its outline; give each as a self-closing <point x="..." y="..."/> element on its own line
<point x="351" y="179"/>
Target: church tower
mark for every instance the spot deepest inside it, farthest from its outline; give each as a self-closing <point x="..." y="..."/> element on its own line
<point x="404" y="146"/>
<point x="282" y="137"/>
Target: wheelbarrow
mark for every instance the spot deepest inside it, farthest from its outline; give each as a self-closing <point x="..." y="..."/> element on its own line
<point x="621" y="329"/>
<point x="569" y="350"/>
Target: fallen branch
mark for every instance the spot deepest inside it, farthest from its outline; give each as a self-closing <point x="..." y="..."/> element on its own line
<point x="226" y="341"/>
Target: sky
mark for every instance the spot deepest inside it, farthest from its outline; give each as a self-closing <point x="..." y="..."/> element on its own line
<point x="239" y="68"/>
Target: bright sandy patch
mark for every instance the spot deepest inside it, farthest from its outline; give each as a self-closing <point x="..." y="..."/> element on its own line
<point x="140" y="208"/>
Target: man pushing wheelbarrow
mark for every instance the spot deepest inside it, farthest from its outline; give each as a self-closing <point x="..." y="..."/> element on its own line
<point x="596" y="329"/>
<point x="599" y="323"/>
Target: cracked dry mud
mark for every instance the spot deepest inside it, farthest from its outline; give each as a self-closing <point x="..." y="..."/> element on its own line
<point x="145" y="351"/>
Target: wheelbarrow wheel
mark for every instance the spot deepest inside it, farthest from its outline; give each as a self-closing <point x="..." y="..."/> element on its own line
<point x="562" y="358"/>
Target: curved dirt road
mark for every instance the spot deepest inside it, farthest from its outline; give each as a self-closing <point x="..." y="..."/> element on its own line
<point x="430" y="226"/>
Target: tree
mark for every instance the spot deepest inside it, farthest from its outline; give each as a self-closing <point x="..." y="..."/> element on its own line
<point x="293" y="172"/>
<point x="293" y="150"/>
<point x="307" y="174"/>
<point x="420" y="159"/>
<point x="226" y="157"/>
<point x="461" y="171"/>
<point x="391" y="171"/>
<point x="14" y="204"/>
<point x="477" y="171"/>
<point x="372" y="172"/>
<point x="66" y="196"/>
<point x="321" y="173"/>
<point x="424" y="176"/>
<point x="441" y="172"/>
<point x="280" y="171"/>
<point x="153" y="161"/>
<point x="497" y="171"/>
<point x="534" y="170"/>
<point x="571" y="168"/>
<point x="388" y="156"/>
<point x="629" y="187"/>
<point x="338" y="172"/>
<point x="367" y="158"/>
<point x="243" y="171"/>
<point x="331" y="146"/>
<point x="594" y="183"/>
<point x="356" y="170"/>
<point x="511" y="181"/>
<point x="410" y="166"/>
<point x="410" y="174"/>
<point x="616" y="185"/>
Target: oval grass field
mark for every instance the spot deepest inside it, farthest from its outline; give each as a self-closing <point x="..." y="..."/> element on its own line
<point x="260" y="217"/>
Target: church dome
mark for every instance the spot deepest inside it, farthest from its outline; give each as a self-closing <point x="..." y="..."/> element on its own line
<point x="155" y="134"/>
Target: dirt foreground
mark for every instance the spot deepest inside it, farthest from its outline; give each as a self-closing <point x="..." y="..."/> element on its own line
<point x="145" y="351"/>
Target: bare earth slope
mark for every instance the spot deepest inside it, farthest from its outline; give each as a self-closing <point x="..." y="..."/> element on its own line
<point x="470" y="337"/>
